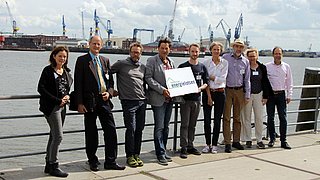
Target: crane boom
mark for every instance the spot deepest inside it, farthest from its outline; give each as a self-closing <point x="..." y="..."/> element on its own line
<point x="63" y="26"/>
<point x="227" y="35"/>
<point x="210" y="31"/>
<point x="180" y="36"/>
<point x="238" y="27"/>
<point x="15" y="29"/>
<point x="170" y="31"/>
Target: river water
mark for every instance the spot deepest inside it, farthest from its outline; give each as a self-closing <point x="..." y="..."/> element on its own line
<point x="20" y="73"/>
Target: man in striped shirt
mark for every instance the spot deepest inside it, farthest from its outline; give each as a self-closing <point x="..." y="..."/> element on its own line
<point x="280" y="77"/>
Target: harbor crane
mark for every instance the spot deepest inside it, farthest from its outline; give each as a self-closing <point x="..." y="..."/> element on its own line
<point x="63" y="26"/>
<point x="107" y="27"/>
<point x="180" y="36"/>
<point x="170" y="31"/>
<point x="227" y="35"/>
<point x="15" y="29"/>
<point x="136" y="30"/>
<point x="238" y="27"/>
<point x="210" y="31"/>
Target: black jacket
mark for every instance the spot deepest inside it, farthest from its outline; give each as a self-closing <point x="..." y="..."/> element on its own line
<point x="48" y="89"/>
<point x="266" y="86"/>
<point x="86" y="80"/>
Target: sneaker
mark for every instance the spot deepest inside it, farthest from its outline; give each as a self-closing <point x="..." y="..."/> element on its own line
<point x="214" y="149"/>
<point x="249" y="144"/>
<point x="168" y="158"/>
<point x="193" y="151"/>
<point x="260" y="145"/>
<point x="132" y="162"/>
<point x="139" y="161"/>
<point x="206" y="149"/>
<point x="162" y="160"/>
<point x="183" y="153"/>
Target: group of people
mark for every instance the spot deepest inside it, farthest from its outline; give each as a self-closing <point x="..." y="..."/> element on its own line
<point x="225" y="82"/>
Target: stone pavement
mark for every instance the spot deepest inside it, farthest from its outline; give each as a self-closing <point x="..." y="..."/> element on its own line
<point x="301" y="162"/>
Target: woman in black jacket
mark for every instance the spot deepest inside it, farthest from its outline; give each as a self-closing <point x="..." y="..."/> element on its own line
<point x="53" y="87"/>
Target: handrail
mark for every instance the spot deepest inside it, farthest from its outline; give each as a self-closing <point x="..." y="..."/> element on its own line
<point x="175" y="122"/>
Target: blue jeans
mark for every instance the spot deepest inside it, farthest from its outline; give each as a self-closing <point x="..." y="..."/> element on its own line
<point x="218" y="98"/>
<point x="134" y="114"/>
<point x="278" y="100"/>
<point x="162" y="116"/>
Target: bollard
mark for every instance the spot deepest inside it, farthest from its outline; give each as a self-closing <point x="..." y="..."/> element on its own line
<point x="311" y="77"/>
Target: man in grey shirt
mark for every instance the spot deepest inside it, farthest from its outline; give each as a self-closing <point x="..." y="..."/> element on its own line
<point x="131" y="87"/>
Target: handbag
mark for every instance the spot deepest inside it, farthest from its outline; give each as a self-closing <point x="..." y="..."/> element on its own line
<point x="73" y="106"/>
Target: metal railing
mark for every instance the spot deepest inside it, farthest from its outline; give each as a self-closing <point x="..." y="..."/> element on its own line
<point x="175" y="122"/>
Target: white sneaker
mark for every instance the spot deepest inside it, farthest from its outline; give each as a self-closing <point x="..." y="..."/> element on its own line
<point x="206" y="149"/>
<point x="214" y="149"/>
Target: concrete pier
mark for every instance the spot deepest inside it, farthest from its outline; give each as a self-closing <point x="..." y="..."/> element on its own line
<point x="301" y="162"/>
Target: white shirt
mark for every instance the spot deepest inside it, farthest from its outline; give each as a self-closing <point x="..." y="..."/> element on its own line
<point x="219" y="71"/>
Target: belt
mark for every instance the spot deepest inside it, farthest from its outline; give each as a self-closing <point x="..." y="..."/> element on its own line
<point x="278" y="92"/>
<point x="217" y="90"/>
<point x="235" y="88"/>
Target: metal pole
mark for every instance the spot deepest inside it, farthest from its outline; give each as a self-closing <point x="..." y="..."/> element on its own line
<point x="175" y="127"/>
<point x="316" y="113"/>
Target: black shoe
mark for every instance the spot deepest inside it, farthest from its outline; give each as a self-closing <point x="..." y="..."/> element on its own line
<point x="285" y="145"/>
<point x="114" y="166"/>
<point x="271" y="143"/>
<point x="47" y="168"/>
<point x="237" y="145"/>
<point x="193" y="151"/>
<point x="249" y="144"/>
<point x="228" y="148"/>
<point x="162" y="160"/>
<point x="260" y="145"/>
<point x="168" y="158"/>
<point x="183" y="153"/>
<point x="54" y="170"/>
<point x="94" y="167"/>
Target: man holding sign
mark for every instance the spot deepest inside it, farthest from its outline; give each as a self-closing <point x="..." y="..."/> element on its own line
<point x="191" y="107"/>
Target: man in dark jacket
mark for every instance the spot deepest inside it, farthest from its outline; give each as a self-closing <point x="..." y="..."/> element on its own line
<point x="94" y="89"/>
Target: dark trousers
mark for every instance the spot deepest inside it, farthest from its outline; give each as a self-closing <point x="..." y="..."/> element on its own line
<point x="278" y="100"/>
<point x="219" y="99"/>
<point x="103" y="111"/>
<point x="134" y="115"/>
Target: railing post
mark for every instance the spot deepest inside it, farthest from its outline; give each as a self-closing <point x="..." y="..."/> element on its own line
<point x="175" y="127"/>
<point x="316" y="113"/>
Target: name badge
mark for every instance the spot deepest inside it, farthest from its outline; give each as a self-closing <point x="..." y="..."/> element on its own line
<point x="255" y="73"/>
<point x="242" y="71"/>
<point x="107" y="76"/>
<point x="198" y="77"/>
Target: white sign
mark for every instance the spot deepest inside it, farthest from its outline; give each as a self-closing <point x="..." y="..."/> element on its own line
<point x="180" y="81"/>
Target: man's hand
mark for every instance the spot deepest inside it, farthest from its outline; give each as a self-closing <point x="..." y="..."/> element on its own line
<point x="288" y="100"/>
<point x="105" y="96"/>
<point x="82" y="108"/>
<point x="166" y="93"/>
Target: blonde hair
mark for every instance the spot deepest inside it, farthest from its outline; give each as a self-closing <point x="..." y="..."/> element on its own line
<point x="252" y="50"/>
<point x="216" y="43"/>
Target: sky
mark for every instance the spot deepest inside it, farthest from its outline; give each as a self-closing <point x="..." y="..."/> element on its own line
<point x="290" y="24"/>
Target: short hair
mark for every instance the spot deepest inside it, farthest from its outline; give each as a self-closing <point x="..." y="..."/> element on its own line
<point x="136" y="44"/>
<point x="194" y="44"/>
<point x="90" y="39"/>
<point x="165" y="40"/>
<point x="54" y="52"/>
<point x="216" y="43"/>
<point x="277" y="47"/>
<point x="252" y="50"/>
